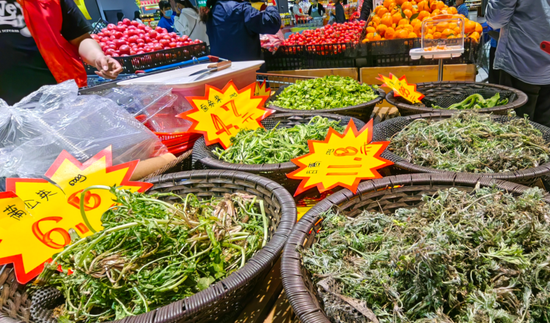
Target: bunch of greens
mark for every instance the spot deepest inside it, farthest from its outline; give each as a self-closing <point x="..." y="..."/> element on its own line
<point x="152" y="253"/>
<point x="481" y="257"/>
<point x="278" y="145"/>
<point x="329" y="92"/>
<point x="471" y="142"/>
<point x="476" y="101"/>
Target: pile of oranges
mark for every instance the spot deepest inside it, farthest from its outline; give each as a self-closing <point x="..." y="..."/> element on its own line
<point x="401" y="19"/>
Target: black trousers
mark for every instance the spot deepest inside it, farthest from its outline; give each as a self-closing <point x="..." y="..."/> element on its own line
<point x="538" y="104"/>
<point x="494" y="75"/>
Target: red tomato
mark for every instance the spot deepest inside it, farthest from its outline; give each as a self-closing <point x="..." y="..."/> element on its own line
<point x="141" y="41"/>
<point x="153" y="34"/>
<point x="120" y="28"/>
<point x="133" y="39"/>
<point x="134" y="23"/>
<point x="127" y="21"/>
<point x="179" y="44"/>
<point x="173" y="45"/>
<point x="124" y="49"/>
<point x="111" y="26"/>
<point x="109" y="52"/>
<point x="164" y="42"/>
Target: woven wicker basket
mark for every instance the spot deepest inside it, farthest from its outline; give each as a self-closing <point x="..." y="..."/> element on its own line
<point x="383" y="195"/>
<point x="222" y="301"/>
<point x="362" y="111"/>
<point x="385" y="130"/>
<point x="204" y="158"/>
<point x="444" y="94"/>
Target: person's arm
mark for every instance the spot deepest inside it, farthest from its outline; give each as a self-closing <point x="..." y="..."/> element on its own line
<point x="182" y="25"/>
<point x="499" y="12"/>
<point x="262" y="22"/>
<point x="91" y="53"/>
<point x="321" y="9"/>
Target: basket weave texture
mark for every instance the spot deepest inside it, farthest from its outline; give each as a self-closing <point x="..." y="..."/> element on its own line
<point x="383" y="195"/>
<point x="204" y="158"/>
<point x="222" y="301"/>
<point x="362" y="111"/>
<point x="385" y="130"/>
<point x="445" y="94"/>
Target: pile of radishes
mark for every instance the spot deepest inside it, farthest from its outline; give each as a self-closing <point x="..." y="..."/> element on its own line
<point x="133" y="38"/>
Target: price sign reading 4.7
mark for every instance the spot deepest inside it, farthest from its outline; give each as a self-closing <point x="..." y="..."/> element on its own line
<point x="37" y="215"/>
<point x="220" y="114"/>
<point x="340" y="160"/>
<point x="401" y="88"/>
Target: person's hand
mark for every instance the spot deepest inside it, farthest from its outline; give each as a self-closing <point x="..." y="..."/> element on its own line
<point x="108" y="67"/>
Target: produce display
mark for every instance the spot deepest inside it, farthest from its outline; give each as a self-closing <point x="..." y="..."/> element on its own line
<point x="476" y="101"/>
<point x="348" y="32"/>
<point x="152" y="253"/>
<point x="457" y="258"/>
<point x="472" y="142"/>
<point x="278" y="145"/>
<point x="329" y="92"/>
<point x="133" y="38"/>
<point x="400" y="19"/>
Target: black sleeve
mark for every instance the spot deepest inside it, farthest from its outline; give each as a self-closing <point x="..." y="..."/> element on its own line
<point x="365" y="10"/>
<point x="309" y="11"/>
<point x="74" y="24"/>
<point x="321" y="9"/>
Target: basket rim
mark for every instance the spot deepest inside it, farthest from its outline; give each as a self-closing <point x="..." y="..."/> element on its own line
<point x="264" y="258"/>
<point x="371" y="103"/>
<point x="301" y="300"/>
<point x="213" y="162"/>
<point x="520" y="101"/>
<point x="511" y="175"/>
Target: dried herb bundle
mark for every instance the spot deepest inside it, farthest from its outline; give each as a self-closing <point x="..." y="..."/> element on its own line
<point x="152" y="253"/>
<point x="278" y="145"/>
<point x="471" y="142"/>
<point x="458" y="258"/>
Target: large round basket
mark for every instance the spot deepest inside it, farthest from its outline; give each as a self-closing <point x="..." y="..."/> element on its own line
<point x="361" y="111"/>
<point x="382" y="195"/>
<point x="204" y="158"/>
<point x="444" y="94"/>
<point x="385" y="130"/>
<point x="224" y="300"/>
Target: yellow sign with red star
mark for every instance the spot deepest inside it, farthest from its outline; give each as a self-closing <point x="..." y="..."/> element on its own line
<point x="262" y="89"/>
<point x="36" y="214"/>
<point x="340" y="160"/>
<point x="220" y="114"/>
<point x="402" y="88"/>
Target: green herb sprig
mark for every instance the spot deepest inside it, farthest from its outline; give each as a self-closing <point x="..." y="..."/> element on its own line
<point x="475" y="102"/>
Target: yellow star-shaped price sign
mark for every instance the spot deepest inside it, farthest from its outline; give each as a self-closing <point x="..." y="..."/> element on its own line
<point x="402" y="88"/>
<point x="340" y="160"/>
<point x="36" y="214"/>
<point x="221" y="114"/>
<point x="262" y="89"/>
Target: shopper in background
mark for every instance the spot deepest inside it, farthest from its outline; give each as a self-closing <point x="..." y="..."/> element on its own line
<point x="234" y="28"/>
<point x="316" y="9"/>
<point x="339" y="16"/>
<point x="167" y="16"/>
<point x="137" y="16"/>
<point x="297" y="11"/>
<point x="41" y="45"/>
<point x="462" y="8"/>
<point x="366" y="9"/>
<point x="494" y="75"/>
<point x="188" y="22"/>
<point x="119" y="16"/>
<point x="522" y="64"/>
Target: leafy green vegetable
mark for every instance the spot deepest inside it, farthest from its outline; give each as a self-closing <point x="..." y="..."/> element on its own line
<point x="472" y="142"/>
<point x="329" y="92"/>
<point x="480" y="257"/>
<point x="476" y="101"/>
<point x="152" y="253"/>
<point x="278" y="145"/>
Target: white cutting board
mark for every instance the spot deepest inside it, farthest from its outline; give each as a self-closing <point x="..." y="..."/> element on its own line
<point x="181" y="76"/>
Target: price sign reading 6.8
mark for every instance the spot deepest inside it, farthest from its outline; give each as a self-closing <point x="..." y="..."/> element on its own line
<point x="340" y="160"/>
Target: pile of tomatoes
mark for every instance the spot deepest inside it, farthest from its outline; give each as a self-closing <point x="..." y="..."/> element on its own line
<point x="348" y="32"/>
<point x="133" y="38"/>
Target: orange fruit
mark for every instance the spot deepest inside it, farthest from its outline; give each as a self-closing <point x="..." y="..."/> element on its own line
<point x="437" y="35"/>
<point x="407" y="13"/>
<point x="475" y="35"/>
<point x="423" y="6"/>
<point x="402" y="34"/>
<point x="479" y="28"/>
<point x="381" y="11"/>
<point x="376" y="37"/>
<point x="399" y="2"/>
<point x="381" y="29"/>
<point x="436" y="12"/>
<point x="396" y="17"/>
<point x="429" y="36"/>
<point x="409" y="28"/>
<point x="406" y="6"/>
<point x="412" y="35"/>
<point x="376" y="20"/>
<point x="469" y="27"/>
<point x="390" y="33"/>
<point x="442" y="26"/>
<point x="422" y="15"/>
<point x="452" y="25"/>
<point x="453" y="10"/>
<point x="403" y="22"/>
<point x="457" y="31"/>
<point x="388" y="3"/>
<point x="370" y="36"/>
<point x="417" y="29"/>
<point x="447" y="32"/>
<point x="440" y="5"/>
<point x="371" y="30"/>
<point x="387" y="20"/>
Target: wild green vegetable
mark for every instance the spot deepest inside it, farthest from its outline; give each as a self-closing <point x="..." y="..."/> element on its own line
<point x="152" y="253"/>
<point x="476" y="101"/>
<point x="278" y="145"/>
<point x="480" y="257"/>
<point x="471" y="142"/>
<point x="329" y="92"/>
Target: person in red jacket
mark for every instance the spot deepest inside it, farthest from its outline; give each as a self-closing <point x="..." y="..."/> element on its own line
<point x="44" y="42"/>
